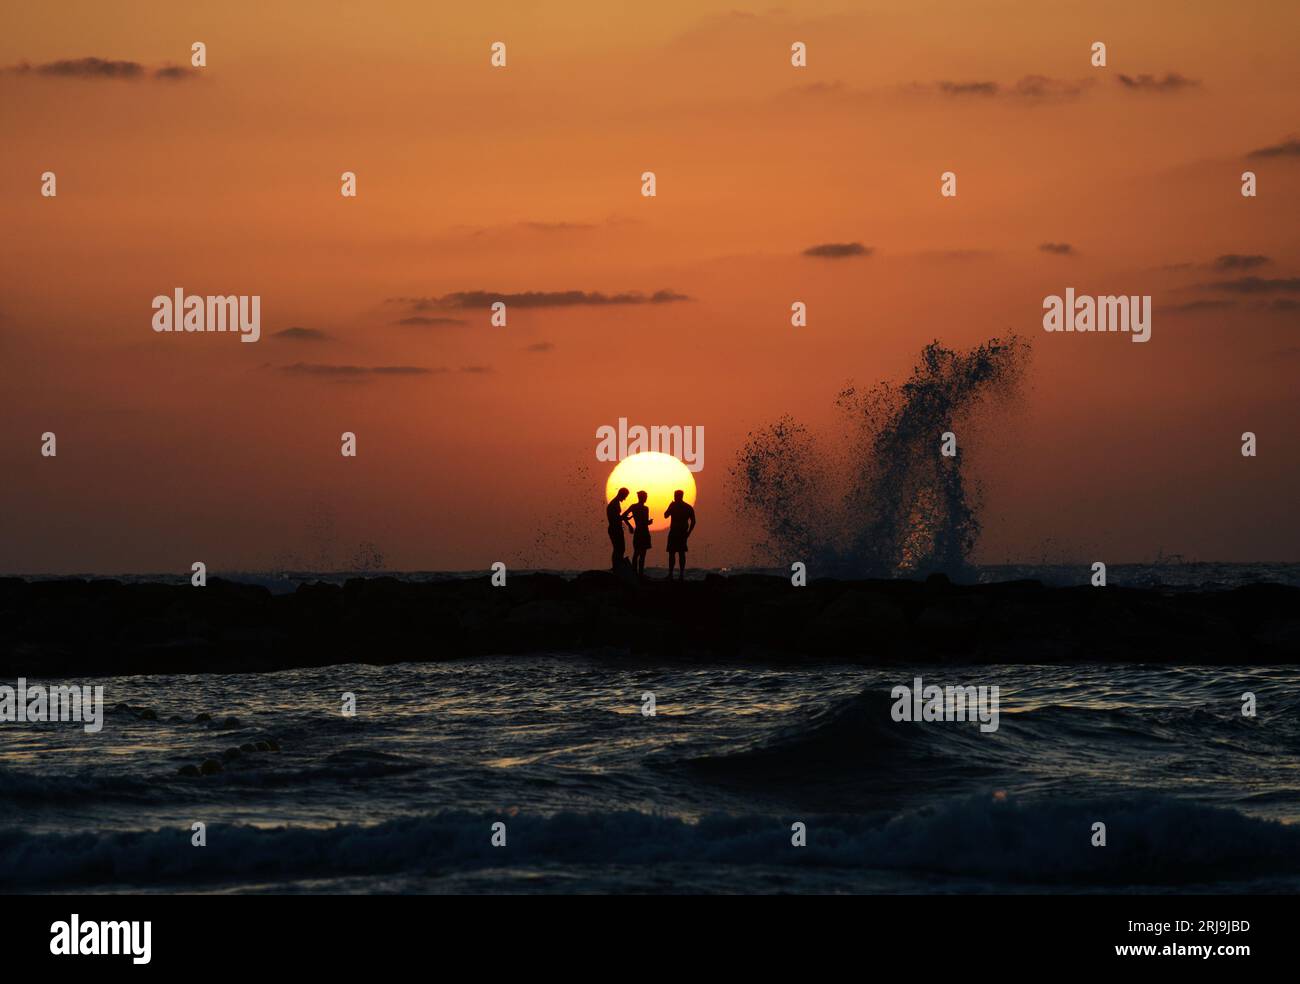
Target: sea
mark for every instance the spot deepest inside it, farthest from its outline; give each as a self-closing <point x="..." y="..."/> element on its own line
<point x="562" y="772"/>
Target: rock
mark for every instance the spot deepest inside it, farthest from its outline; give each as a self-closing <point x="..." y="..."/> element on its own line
<point x="198" y="718"/>
<point x="248" y="748"/>
<point x="230" y="754"/>
<point x="539" y="614"/>
<point x="148" y="714"/>
<point x="273" y="744"/>
<point x="211" y="767"/>
<point x="189" y="770"/>
<point x="262" y="746"/>
<point x="71" y="627"/>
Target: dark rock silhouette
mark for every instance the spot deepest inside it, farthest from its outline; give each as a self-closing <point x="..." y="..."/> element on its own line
<point x="83" y="628"/>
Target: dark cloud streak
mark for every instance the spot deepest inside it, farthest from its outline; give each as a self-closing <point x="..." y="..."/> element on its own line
<point x="101" y="68"/>
<point x="837" y="251"/>
<point x="1290" y="147"/>
<point x="468" y="299"/>
<point x="1172" y="82"/>
<point x="302" y="334"/>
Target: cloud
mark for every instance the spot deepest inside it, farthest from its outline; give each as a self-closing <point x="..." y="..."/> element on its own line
<point x="836" y="87"/>
<point x="1257" y="285"/>
<point x="302" y="334"/>
<point x="968" y="88"/>
<point x="1028" y="91"/>
<point x="101" y="68"/>
<point x="476" y="370"/>
<point x="1042" y="87"/>
<point x="542" y="347"/>
<point x="355" y="372"/>
<point x="1060" y="249"/>
<point x="838" y="251"/>
<point x="1239" y="261"/>
<point x="1038" y="88"/>
<point x="1172" y="82"/>
<point x="1290" y="147"/>
<point x="425" y="320"/>
<point x="174" y="73"/>
<point x="537" y="299"/>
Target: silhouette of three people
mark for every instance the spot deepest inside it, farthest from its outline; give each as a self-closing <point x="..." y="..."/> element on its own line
<point x="681" y="517"/>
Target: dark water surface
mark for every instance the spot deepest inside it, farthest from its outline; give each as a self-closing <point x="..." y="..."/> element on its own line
<point x="597" y="796"/>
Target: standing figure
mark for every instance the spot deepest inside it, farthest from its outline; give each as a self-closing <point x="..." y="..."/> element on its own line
<point x="681" y="516"/>
<point x="640" y="512"/>
<point x="617" y="520"/>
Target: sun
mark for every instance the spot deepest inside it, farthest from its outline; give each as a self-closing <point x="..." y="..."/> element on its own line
<point x="657" y="474"/>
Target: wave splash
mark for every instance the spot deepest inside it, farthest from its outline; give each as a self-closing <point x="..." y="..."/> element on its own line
<point x="888" y="503"/>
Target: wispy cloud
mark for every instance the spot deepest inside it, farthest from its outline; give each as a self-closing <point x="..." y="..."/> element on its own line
<point x="296" y="334"/>
<point x="1059" y="249"/>
<point x="542" y="347"/>
<point x="536" y="299"/>
<point x="1029" y="88"/>
<point x="968" y="88"/>
<point x="101" y="68"/>
<point x="1290" y="147"/>
<point x="1172" y="82"/>
<point x="838" y="251"/>
<point x="1239" y="261"/>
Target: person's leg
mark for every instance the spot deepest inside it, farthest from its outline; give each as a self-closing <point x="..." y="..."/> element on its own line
<point x="683" y="565"/>
<point x="670" y="565"/>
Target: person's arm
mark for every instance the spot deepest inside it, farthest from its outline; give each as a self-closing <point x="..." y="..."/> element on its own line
<point x="691" y="529"/>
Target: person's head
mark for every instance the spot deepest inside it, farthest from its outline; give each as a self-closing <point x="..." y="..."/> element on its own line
<point x="622" y="494"/>
<point x="677" y="496"/>
<point x="641" y="497"/>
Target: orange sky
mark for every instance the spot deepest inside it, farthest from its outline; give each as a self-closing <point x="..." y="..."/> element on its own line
<point x="174" y="448"/>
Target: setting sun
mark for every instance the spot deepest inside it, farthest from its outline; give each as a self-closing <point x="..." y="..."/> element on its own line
<point x="657" y="474"/>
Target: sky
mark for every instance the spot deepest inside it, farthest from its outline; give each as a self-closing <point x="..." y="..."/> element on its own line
<point x="476" y="443"/>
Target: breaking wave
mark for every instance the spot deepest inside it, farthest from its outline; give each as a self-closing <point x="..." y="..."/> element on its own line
<point x="1152" y="840"/>
<point x="889" y="503"/>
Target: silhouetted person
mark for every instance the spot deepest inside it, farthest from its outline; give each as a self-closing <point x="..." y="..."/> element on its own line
<point x="681" y="517"/>
<point x="617" y="520"/>
<point x="641" y="535"/>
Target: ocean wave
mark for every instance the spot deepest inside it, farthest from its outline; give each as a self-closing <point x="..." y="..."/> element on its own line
<point x="852" y="735"/>
<point x="1150" y="841"/>
<point x="22" y="787"/>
